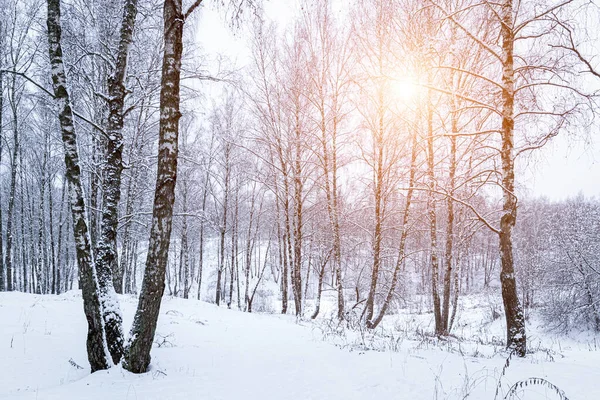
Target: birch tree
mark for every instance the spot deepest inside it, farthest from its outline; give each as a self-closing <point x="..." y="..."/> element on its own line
<point x="519" y="78"/>
<point x="137" y="350"/>
<point x="96" y="341"/>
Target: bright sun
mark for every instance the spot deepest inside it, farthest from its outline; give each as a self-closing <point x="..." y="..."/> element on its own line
<point x="405" y="89"/>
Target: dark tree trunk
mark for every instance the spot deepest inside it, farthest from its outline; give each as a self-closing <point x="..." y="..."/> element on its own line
<point x="95" y="339"/>
<point x="137" y="352"/>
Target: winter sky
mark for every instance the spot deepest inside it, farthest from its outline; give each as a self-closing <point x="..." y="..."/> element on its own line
<point x="567" y="166"/>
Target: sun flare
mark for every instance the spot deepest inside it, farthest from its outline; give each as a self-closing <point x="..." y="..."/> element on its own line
<point x="405" y="89"/>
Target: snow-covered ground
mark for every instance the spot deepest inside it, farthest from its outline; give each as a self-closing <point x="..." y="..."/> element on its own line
<point x="211" y="353"/>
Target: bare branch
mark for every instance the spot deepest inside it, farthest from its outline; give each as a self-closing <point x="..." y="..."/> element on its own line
<point x="46" y="91"/>
<point x="191" y="9"/>
<point x="464" y="203"/>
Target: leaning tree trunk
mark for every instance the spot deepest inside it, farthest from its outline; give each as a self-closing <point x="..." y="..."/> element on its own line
<point x="137" y="352"/>
<point x="515" y="321"/>
<point x="96" y="345"/>
<point x="320" y="289"/>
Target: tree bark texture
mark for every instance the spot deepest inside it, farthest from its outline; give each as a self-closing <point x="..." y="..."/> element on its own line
<point x="96" y="347"/>
<point x="515" y="321"/>
<point x="137" y="353"/>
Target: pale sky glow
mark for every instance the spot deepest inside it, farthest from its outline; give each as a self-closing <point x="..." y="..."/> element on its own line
<point x="564" y="168"/>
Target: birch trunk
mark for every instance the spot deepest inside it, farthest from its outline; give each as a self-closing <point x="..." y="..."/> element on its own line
<point x="448" y="259"/>
<point x="378" y="176"/>
<point x="234" y="227"/>
<point x="41" y="226"/>
<point x="222" y="235"/>
<point x="2" y="280"/>
<point x="96" y="346"/>
<point x="137" y="352"/>
<point x="515" y="321"/>
<point x="53" y="282"/>
<point x="332" y="207"/>
<point x="298" y="222"/>
<point x="184" y="256"/>
<point x="106" y="261"/>
<point x="431" y="212"/>
<point x="202" y="220"/>
<point x="11" y="196"/>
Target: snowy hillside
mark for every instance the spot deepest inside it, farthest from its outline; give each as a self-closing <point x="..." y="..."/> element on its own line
<point x="211" y="353"/>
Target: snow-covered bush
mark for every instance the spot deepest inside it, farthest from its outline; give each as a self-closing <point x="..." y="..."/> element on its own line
<point x="558" y="262"/>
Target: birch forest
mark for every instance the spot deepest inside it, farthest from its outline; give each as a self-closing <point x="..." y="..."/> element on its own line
<point x="357" y="160"/>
